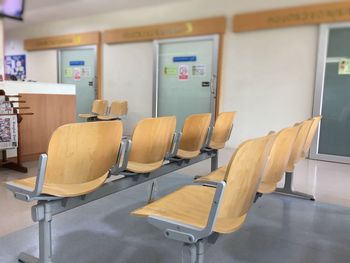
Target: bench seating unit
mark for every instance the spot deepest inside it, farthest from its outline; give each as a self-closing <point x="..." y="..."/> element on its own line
<point x="195" y="213"/>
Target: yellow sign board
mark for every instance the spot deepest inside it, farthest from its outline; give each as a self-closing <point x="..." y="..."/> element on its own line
<point x="295" y="16"/>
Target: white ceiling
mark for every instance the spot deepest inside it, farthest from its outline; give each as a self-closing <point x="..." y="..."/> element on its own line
<point x="38" y="11"/>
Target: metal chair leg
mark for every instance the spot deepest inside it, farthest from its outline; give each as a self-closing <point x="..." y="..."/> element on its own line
<point x="288" y="189"/>
<point x="215" y="161"/>
<point x="41" y="213"/>
<point x="26" y="258"/>
<point x="152" y="192"/>
<point x="193" y="253"/>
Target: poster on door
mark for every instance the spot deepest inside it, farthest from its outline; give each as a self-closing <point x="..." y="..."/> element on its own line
<point x="198" y="70"/>
<point x="344" y="66"/>
<point x="77" y="74"/>
<point x="183" y="72"/>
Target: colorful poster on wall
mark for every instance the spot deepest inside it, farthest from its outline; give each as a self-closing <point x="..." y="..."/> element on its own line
<point x="15" y="67"/>
<point x="198" y="70"/>
<point x="170" y="70"/>
<point x="344" y="66"/>
<point x="183" y="72"/>
<point x="8" y="132"/>
<point x="77" y="74"/>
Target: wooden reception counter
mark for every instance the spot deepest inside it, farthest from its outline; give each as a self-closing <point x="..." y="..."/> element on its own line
<point x="52" y="104"/>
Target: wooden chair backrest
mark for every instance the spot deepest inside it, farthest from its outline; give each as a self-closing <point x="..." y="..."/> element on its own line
<point x="311" y="134"/>
<point x="99" y="107"/>
<point x="119" y="108"/>
<point x="194" y="132"/>
<point x="279" y="156"/>
<point x="81" y="152"/>
<point x="151" y="139"/>
<point x="222" y="128"/>
<point x="243" y="175"/>
<point x="298" y="147"/>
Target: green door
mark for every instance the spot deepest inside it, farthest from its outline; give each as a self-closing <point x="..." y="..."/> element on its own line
<point x="186" y="72"/>
<point x="77" y="66"/>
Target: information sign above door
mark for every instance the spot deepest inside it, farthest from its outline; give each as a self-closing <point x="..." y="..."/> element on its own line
<point x="185" y="59"/>
<point x="77" y="63"/>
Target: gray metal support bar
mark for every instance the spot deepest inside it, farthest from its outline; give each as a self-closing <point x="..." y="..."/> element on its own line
<point x="288" y="189"/>
<point x="45" y="241"/>
<point x="215" y="162"/>
<point x="152" y="191"/>
<point x="42" y="213"/>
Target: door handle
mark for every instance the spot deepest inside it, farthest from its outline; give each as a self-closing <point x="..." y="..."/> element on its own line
<point x="213" y="85"/>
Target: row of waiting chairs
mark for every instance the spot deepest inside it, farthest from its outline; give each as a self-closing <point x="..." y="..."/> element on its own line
<point x="219" y="202"/>
<point x="214" y="204"/>
<point x="81" y="156"/>
<point x="100" y="111"/>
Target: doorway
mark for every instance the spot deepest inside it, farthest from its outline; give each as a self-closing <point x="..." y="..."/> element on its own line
<point x="185" y="77"/>
<point x="78" y="66"/>
<point x="332" y="94"/>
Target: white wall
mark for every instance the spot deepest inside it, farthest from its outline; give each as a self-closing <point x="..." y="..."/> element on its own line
<point x="128" y="75"/>
<point x="268" y="76"/>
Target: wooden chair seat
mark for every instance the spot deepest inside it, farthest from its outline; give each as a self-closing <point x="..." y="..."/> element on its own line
<point x="79" y="157"/>
<point x="136" y="167"/>
<point x="87" y="115"/>
<point x="217" y="176"/>
<point x="267" y="188"/>
<point x="187" y="154"/>
<point x="99" y="107"/>
<point x="62" y="190"/>
<point x="151" y="140"/>
<point x="107" y="117"/>
<point x="222" y="130"/>
<point x="217" y="145"/>
<point x="276" y="165"/>
<point x="194" y="132"/>
<point x="189" y="205"/>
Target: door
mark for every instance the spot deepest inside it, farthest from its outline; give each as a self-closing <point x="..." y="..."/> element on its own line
<point x="78" y="66"/>
<point x="332" y="94"/>
<point x="185" y="80"/>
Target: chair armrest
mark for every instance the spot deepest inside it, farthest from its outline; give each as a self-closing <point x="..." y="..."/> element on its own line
<point x="209" y="136"/>
<point x="122" y="158"/>
<point x="188" y="233"/>
<point x="174" y="146"/>
<point x="26" y="195"/>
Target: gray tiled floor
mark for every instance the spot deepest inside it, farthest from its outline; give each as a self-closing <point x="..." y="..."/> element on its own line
<point x="278" y="229"/>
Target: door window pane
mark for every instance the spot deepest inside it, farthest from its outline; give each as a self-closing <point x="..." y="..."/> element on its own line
<point x="335" y="126"/>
